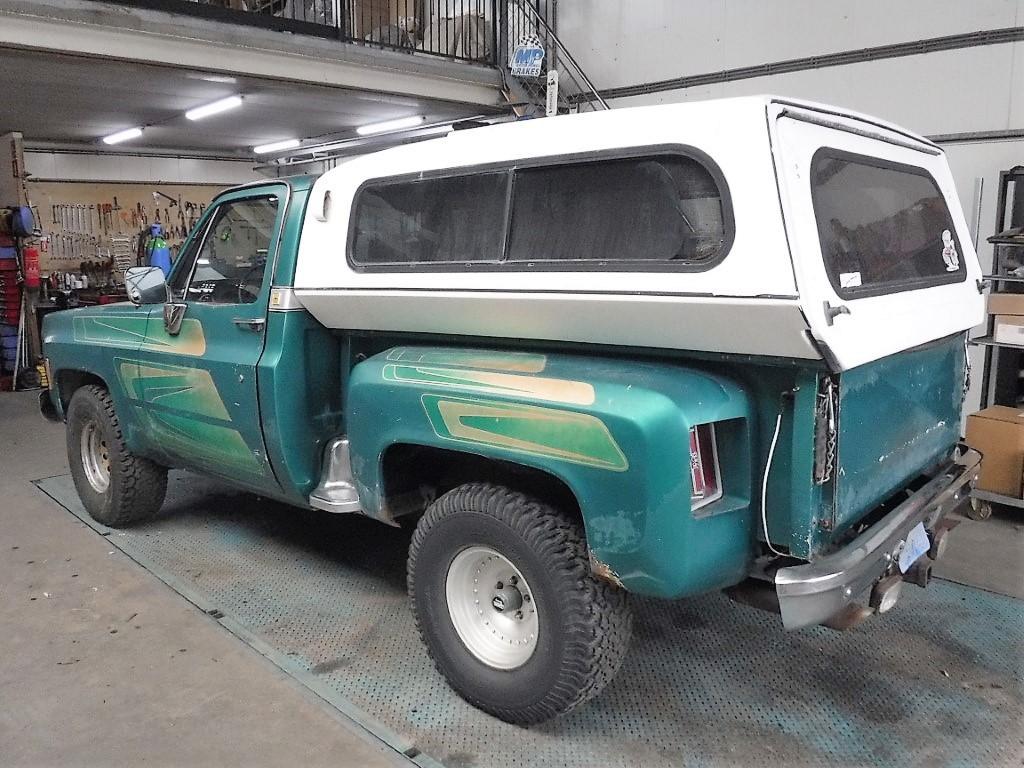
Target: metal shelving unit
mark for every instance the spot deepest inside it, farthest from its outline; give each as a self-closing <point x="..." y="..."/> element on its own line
<point x="988" y="341"/>
<point x="999" y="368"/>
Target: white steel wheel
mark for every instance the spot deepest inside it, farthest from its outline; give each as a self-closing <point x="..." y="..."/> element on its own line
<point x="95" y="457"/>
<point x="492" y="608"/>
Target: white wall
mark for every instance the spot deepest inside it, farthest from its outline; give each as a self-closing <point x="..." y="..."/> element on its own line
<point x="645" y="40"/>
<point x="970" y="89"/>
<point x="63" y="166"/>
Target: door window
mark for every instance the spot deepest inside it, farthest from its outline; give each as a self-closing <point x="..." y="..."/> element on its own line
<point x="228" y="267"/>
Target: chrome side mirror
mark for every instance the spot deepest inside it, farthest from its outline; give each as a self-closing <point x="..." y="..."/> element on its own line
<point x="145" y="285"/>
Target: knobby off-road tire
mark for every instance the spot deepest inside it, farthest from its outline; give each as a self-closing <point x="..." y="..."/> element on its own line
<point x="116" y="487"/>
<point x="581" y="625"/>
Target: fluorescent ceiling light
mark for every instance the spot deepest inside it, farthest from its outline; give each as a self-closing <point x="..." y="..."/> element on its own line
<point x="390" y="125"/>
<point x="277" y="146"/>
<point x="213" y="108"/>
<point x="117" y="138"/>
<point x="211" y="78"/>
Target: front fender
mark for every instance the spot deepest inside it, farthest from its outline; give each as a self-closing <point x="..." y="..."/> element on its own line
<point x="615" y="431"/>
<point x="97" y="342"/>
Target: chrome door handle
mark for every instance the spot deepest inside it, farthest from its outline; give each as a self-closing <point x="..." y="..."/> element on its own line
<point x="252" y="323"/>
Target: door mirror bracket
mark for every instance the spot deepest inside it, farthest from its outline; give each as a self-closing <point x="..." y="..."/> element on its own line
<point x="174" y="314"/>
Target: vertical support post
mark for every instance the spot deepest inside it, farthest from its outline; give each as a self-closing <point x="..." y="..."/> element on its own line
<point x="493" y="58"/>
<point x="551" y="100"/>
<point x="338" y="14"/>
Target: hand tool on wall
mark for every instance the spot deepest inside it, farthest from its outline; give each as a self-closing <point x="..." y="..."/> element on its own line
<point x="158" y="194"/>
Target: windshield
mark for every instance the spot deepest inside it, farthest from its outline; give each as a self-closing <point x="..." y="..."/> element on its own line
<point x="883" y="227"/>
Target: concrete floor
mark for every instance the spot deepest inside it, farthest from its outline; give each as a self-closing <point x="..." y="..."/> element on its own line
<point x="102" y="664"/>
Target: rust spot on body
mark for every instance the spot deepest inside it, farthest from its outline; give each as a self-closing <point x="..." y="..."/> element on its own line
<point x="604" y="572"/>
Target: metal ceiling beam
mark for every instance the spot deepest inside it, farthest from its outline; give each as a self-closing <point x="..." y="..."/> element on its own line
<point x="92" y="148"/>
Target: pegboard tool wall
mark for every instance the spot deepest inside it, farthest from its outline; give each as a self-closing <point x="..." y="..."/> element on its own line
<point x="87" y="228"/>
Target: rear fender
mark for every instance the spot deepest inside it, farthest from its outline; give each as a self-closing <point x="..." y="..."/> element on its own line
<point x="614" y="431"/>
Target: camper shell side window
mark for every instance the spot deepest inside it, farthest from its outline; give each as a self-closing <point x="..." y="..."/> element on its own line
<point x="659" y="209"/>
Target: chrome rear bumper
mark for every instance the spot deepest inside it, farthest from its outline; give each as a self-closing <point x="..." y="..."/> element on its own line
<point x="817" y="592"/>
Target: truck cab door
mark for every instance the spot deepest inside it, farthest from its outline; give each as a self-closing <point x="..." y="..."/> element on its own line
<point x="198" y="363"/>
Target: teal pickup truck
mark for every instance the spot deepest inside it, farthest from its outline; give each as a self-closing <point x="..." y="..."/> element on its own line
<point x="659" y="351"/>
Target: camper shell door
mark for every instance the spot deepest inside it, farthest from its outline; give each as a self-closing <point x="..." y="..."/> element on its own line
<point x="881" y="251"/>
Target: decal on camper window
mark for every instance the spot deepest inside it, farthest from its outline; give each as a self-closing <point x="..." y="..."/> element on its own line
<point x="949" y="252"/>
<point x="849" y="279"/>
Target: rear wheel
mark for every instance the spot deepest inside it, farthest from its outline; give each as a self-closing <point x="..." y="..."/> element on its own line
<point x="116" y="487"/>
<point x="507" y="606"/>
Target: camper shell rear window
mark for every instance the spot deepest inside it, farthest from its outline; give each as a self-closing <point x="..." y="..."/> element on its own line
<point x="656" y="209"/>
<point x="883" y="227"/>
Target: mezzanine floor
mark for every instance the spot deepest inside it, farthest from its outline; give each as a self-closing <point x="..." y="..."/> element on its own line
<point x="936" y="682"/>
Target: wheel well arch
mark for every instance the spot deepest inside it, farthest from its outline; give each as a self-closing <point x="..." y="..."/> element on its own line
<point x="70" y="381"/>
<point x="413" y="475"/>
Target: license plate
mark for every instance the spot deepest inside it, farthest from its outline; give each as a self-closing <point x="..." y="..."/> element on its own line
<point x="917" y="544"/>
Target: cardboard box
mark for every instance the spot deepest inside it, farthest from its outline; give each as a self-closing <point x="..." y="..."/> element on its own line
<point x="1009" y="329"/>
<point x="998" y="432"/>
<point x="1006" y="304"/>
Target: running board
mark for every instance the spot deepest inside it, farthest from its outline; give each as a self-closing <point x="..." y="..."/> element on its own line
<point x="336" y="491"/>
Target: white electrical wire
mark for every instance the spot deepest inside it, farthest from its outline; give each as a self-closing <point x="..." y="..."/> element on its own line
<point x="764" y="486"/>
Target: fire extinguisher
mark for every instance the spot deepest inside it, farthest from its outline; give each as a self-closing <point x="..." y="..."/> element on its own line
<point x="31" y="257"/>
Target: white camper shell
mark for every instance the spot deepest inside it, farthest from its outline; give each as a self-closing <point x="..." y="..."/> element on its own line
<point x="839" y="236"/>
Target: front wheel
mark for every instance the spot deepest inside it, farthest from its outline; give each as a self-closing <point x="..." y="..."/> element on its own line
<point x="507" y="606"/>
<point x="116" y="486"/>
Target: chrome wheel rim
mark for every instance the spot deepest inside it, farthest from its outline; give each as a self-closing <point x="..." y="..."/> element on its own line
<point x="95" y="457"/>
<point x="492" y="608"/>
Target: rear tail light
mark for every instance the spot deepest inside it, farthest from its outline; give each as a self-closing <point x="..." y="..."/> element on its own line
<point x="704" y="474"/>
